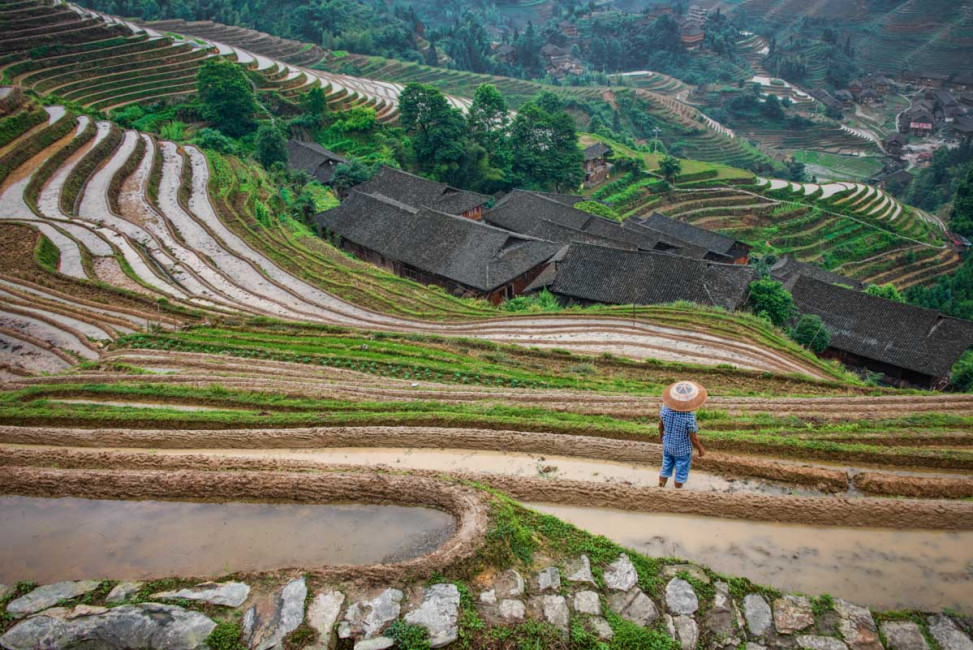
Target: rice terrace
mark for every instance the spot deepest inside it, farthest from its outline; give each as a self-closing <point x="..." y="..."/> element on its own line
<point x="486" y="324"/>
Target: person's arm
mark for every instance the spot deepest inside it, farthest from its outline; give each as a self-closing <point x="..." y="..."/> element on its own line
<point x="662" y="430"/>
<point x="695" y="440"/>
<point x="694" y="437"/>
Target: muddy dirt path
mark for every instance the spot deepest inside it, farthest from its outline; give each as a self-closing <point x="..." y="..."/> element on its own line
<point x="821" y="511"/>
<point x="881" y="568"/>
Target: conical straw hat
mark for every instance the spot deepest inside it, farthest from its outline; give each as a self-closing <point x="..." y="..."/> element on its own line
<point x="684" y="396"/>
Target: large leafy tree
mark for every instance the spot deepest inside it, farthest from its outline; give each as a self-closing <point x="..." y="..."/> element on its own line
<point x="439" y="132"/>
<point x="545" y="149"/>
<point x="226" y="96"/>
<point x="489" y="120"/>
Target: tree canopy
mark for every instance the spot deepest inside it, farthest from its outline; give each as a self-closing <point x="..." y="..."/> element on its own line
<point x="772" y="301"/>
<point x="226" y="96"/>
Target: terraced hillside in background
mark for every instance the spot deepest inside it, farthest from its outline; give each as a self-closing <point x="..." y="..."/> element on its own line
<point x="926" y="35"/>
<point x="852" y="228"/>
<point x="173" y="230"/>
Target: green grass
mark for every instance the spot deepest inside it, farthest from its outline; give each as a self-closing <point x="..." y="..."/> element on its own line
<point x="856" y="168"/>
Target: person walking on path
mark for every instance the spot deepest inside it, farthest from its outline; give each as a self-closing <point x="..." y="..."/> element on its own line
<point x="678" y="429"/>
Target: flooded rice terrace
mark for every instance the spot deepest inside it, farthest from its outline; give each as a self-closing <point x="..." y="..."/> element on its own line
<point x="47" y="540"/>
<point x="880" y="568"/>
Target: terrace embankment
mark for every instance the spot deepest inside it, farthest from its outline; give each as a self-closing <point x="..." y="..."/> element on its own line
<point x="826" y="511"/>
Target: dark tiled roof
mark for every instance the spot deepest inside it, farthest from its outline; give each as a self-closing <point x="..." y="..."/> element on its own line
<point x="313" y="158"/>
<point x="691" y="234"/>
<point x="569" y="200"/>
<point x="531" y="213"/>
<point x="901" y="335"/>
<point x="418" y="192"/>
<point x="788" y="270"/>
<point x="468" y="252"/>
<point x="597" y="150"/>
<point x="606" y="275"/>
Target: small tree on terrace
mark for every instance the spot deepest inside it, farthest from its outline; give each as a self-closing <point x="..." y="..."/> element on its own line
<point x="271" y="146"/>
<point x="670" y="168"/>
<point x="769" y="299"/>
<point x="811" y="333"/>
<point x="227" y="97"/>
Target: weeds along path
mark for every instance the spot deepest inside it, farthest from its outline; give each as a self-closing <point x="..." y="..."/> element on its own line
<point x="177" y="247"/>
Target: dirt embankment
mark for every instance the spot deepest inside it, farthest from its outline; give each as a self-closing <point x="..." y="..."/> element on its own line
<point x="813" y="511"/>
<point x="831" y="480"/>
<point x="370" y="487"/>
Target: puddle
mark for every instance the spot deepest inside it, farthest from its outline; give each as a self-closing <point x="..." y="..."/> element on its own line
<point x="47" y="540"/>
<point x="880" y="568"/>
<point x="506" y="463"/>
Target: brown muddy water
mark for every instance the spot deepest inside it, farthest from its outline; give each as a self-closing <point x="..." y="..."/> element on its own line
<point x="48" y="540"/>
<point x="880" y="568"/>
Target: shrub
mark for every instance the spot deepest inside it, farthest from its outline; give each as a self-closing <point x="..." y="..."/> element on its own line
<point x="811" y="333"/>
<point x="887" y="291"/>
<point x="961" y="379"/>
<point x="212" y="139"/>
<point x="770" y="300"/>
<point x="225" y="636"/>
<point x="408" y="636"/>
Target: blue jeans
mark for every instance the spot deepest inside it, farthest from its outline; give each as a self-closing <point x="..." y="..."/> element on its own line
<point x="680" y="463"/>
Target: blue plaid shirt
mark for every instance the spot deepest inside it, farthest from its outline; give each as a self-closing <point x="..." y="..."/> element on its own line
<point x="677" y="427"/>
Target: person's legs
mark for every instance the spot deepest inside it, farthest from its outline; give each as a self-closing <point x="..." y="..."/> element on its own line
<point x="668" y="462"/>
<point x="682" y="469"/>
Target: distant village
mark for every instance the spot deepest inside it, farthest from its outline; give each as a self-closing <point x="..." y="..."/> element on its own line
<point x="476" y="246"/>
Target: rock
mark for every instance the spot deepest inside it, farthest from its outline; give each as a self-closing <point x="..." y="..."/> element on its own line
<point x="272" y="618"/>
<point x="634" y="606"/>
<point x="489" y="597"/>
<point x="672" y="570"/>
<point x="147" y="625"/>
<point x="755" y="646"/>
<point x="509" y="585"/>
<point x="549" y="579"/>
<point x="687" y="632"/>
<point x="670" y="626"/>
<point x="228" y="594"/>
<point x="809" y="642"/>
<point x="904" y="635"/>
<point x="438" y="613"/>
<point x="512" y="610"/>
<point x="601" y="628"/>
<point x="757" y="613"/>
<point x="680" y="597"/>
<point x="947" y="634"/>
<point x="322" y="614"/>
<point x="579" y="570"/>
<point x="49" y="595"/>
<point x="368" y="618"/>
<point x="721" y="619"/>
<point x="555" y="609"/>
<point x="620" y="574"/>
<point x="857" y="626"/>
<point x="792" y="614"/>
<point x="123" y="591"/>
<point x="378" y="643"/>
<point x="587" y="602"/>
